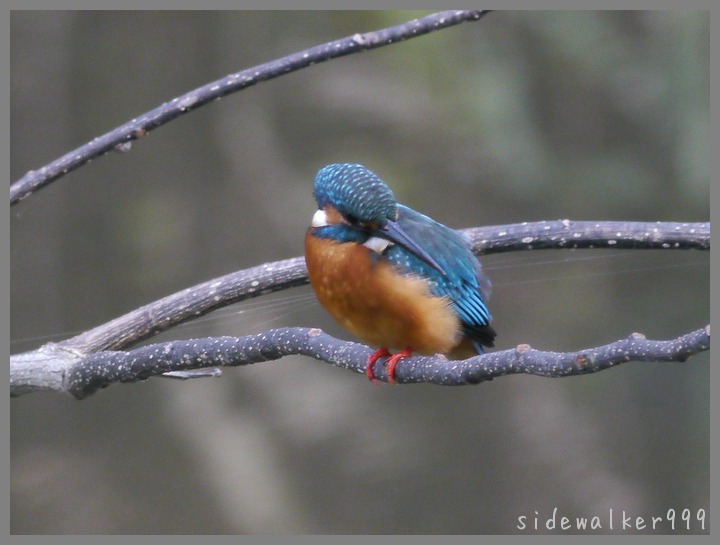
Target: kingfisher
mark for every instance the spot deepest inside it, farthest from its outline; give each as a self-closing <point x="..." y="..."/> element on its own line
<point x="393" y="277"/>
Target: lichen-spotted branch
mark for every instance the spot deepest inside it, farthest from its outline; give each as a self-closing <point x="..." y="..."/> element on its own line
<point x="85" y="376"/>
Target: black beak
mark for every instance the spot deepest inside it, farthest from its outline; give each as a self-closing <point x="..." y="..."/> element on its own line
<point x="394" y="233"/>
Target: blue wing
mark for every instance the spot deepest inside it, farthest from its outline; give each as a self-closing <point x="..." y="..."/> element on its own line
<point x="463" y="283"/>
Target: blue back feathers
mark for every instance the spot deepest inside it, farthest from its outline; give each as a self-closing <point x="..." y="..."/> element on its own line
<point x="463" y="283"/>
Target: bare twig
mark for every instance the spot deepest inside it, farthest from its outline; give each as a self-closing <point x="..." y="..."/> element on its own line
<point x="568" y="234"/>
<point x="121" y="138"/>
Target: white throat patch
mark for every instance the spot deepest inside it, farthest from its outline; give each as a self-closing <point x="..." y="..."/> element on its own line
<point x="377" y="244"/>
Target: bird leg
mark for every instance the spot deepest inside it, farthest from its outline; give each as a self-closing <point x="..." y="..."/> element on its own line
<point x="393" y="361"/>
<point x="379" y="353"/>
<point x="390" y="364"/>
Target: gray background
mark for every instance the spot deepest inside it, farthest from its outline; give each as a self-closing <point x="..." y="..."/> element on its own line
<point x="519" y="117"/>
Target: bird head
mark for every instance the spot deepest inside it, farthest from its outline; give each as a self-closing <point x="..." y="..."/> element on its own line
<point x="356" y="206"/>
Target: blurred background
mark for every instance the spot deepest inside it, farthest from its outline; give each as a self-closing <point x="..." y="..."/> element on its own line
<point x="522" y="116"/>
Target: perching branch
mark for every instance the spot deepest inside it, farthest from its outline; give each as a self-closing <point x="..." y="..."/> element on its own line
<point x="120" y="139"/>
<point x="87" y="375"/>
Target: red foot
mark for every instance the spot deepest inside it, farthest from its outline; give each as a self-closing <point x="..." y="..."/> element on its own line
<point x="391" y="362"/>
<point x="380" y="353"/>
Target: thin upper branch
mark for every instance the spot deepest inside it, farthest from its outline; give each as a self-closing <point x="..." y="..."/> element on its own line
<point x="120" y="139"/>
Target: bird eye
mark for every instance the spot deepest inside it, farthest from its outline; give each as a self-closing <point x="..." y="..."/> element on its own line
<point x="352" y="220"/>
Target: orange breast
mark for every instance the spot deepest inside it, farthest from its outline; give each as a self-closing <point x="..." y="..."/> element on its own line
<point x="371" y="300"/>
